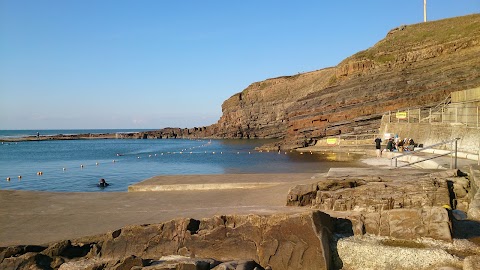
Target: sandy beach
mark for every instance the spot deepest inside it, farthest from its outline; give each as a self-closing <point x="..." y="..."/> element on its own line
<point x="30" y="217"/>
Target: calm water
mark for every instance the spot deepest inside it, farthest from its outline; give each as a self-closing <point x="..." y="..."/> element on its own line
<point x="139" y="160"/>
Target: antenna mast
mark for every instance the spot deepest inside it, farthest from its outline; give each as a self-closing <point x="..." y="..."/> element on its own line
<point x="424" y="10"/>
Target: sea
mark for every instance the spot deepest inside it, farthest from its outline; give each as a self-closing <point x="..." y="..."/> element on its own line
<point x="78" y="165"/>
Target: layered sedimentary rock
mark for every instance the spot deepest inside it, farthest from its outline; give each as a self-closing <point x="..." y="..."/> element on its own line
<point x="414" y="65"/>
<point x="261" y="110"/>
<point x="170" y="133"/>
<point x="404" y="208"/>
<point x="371" y="194"/>
<point x="283" y="241"/>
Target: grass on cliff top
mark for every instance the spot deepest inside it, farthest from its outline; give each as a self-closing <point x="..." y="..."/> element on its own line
<point x="404" y="38"/>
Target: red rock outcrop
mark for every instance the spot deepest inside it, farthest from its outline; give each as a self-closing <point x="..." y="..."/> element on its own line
<point x="414" y="65"/>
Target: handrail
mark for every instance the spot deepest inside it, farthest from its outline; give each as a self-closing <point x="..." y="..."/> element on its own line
<point x="418" y="161"/>
<point x="439" y="107"/>
<point x="425" y="148"/>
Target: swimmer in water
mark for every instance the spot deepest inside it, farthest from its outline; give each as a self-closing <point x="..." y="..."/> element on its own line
<point x="103" y="183"/>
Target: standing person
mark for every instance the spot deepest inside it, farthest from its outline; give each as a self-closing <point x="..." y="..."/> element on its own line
<point x="390" y="144"/>
<point x="378" y="146"/>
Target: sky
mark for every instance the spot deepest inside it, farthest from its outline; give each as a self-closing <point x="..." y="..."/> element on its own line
<point x="87" y="64"/>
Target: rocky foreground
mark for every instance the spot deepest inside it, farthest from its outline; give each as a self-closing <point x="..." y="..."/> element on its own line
<point x="402" y="219"/>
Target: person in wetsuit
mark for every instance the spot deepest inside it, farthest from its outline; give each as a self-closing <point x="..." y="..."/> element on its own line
<point x="103" y="183"/>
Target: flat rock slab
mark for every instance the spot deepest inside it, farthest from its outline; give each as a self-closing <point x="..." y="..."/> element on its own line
<point x="215" y="182"/>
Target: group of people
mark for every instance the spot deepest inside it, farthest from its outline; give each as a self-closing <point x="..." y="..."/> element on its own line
<point x="395" y="144"/>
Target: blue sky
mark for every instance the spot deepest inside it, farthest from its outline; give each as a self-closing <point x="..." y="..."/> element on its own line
<point x="153" y="64"/>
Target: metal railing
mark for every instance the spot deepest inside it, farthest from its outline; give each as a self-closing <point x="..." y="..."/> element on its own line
<point x="453" y="162"/>
<point x="348" y="139"/>
<point x="466" y="114"/>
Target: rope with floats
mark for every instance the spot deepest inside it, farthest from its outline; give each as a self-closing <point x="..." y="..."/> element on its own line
<point x="185" y="151"/>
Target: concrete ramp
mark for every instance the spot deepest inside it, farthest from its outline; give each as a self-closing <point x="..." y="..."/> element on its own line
<point x="215" y="182"/>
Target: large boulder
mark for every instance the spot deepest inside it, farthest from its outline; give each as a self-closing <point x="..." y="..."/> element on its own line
<point x="405" y="207"/>
<point x="367" y="194"/>
<point x="474" y="206"/>
<point x="299" y="241"/>
<point x="432" y="222"/>
<point x="281" y="241"/>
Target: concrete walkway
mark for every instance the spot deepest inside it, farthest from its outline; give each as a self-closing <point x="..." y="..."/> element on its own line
<point x="438" y="161"/>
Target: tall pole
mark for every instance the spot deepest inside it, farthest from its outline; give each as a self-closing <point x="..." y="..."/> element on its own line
<point x="424" y="10"/>
<point x="456" y="142"/>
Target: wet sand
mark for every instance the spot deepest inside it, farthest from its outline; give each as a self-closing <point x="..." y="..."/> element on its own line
<point x="29" y="217"/>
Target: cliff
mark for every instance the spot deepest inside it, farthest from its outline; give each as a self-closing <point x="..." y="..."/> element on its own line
<point x="413" y="65"/>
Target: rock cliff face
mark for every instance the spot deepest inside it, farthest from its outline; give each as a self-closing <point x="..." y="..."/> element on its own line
<point x="415" y="65"/>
